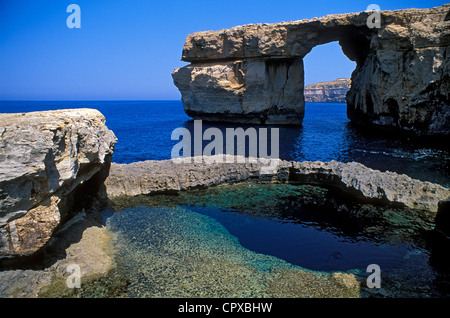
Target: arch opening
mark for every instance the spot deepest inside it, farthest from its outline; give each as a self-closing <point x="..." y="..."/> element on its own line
<point x="327" y="74"/>
<point x="327" y="62"/>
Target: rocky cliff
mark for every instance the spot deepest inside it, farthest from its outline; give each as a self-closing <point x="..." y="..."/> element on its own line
<point x="254" y="73"/>
<point x="327" y="92"/>
<point x="51" y="164"/>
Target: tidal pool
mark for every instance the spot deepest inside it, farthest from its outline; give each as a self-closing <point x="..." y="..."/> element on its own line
<point x="270" y="240"/>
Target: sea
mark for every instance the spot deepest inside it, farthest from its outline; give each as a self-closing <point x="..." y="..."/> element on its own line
<point x="144" y="130"/>
<point x="293" y="233"/>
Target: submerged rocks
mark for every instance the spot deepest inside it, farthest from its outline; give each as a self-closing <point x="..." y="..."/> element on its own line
<point x="82" y="241"/>
<point x="254" y="73"/>
<point x="176" y="252"/>
<point x="51" y="164"/>
<point x="361" y="182"/>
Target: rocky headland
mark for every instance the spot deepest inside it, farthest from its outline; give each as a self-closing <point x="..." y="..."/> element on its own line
<point x="254" y="73"/>
<point x="327" y="92"/>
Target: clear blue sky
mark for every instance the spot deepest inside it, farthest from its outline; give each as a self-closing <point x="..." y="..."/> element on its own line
<point x="127" y="49"/>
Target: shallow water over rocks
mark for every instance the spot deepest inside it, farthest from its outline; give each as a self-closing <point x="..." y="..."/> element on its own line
<point x="271" y="240"/>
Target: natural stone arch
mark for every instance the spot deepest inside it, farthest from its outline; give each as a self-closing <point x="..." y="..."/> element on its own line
<point x="254" y="73"/>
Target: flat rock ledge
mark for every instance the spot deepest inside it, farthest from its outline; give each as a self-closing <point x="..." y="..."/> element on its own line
<point x="83" y="242"/>
<point x="147" y="177"/>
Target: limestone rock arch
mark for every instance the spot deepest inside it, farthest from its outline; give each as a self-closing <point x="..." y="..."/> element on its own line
<point x="254" y="73"/>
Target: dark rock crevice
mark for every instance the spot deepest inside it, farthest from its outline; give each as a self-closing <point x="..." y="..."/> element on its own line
<point x="56" y="181"/>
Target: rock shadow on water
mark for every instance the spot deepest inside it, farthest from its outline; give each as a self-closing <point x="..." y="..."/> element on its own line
<point x="82" y="241"/>
<point x="203" y="240"/>
<point x="175" y="252"/>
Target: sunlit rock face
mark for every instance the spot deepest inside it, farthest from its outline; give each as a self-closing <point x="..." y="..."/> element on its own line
<point x="327" y="92"/>
<point x="359" y="181"/>
<point x="250" y="91"/>
<point x="254" y="73"/>
<point x="51" y="163"/>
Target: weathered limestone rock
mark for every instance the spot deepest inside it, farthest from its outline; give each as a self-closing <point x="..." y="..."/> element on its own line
<point x="235" y="91"/>
<point x="148" y="177"/>
<point x="327" y="92"/>
<point x="81" y="241"/>
<point x="361" y="181"/>
<point x="254" y="73"/>
<point x="50" y="163"/>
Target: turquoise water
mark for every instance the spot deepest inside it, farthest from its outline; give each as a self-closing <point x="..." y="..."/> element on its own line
<point x="174" y="252"/>
<point x="259" y="237"/>
<point x="170" y="244"/>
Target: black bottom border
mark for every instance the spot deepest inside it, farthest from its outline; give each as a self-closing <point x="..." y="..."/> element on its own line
<point x="215" y="307"/>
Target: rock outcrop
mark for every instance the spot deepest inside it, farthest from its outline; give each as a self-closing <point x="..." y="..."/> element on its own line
<point x="149" y="177"/>
<point x="327" y="92"/>
<point x="81" y="241"/>
<point x="254" y="73"/>
<point x="51" y="164"/>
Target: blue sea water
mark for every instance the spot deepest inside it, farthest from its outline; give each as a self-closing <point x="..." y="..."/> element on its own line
<point x="144" y="130"/>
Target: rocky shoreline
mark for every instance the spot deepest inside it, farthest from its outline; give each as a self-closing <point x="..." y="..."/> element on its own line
<point x="57" y="175"/>
<point x="147" y="177"/>
<point x="83" y="241"/>
<point x="71" y="167"/>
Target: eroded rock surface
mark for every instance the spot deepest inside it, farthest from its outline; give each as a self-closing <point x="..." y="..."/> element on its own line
<point x="249" y="91"/>
<point x="149" y="177"/>
<point x="51" y="163"/>
<point x="82" y="242"/>
<point x="254" y="73"/>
